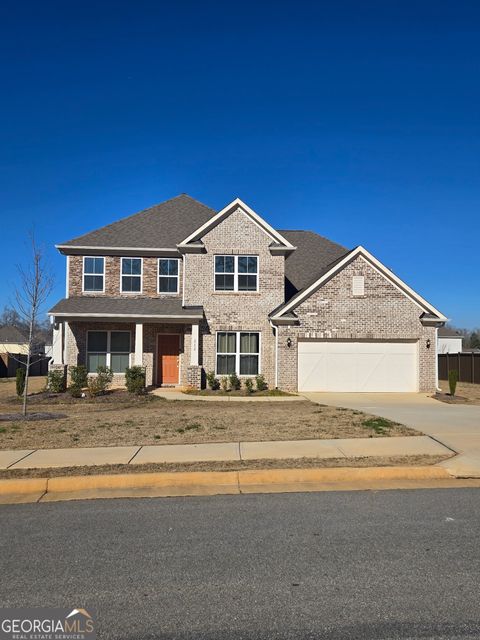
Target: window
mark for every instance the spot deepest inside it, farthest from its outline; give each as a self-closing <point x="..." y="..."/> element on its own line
<point x="108" y="349"/>
<point x="93" y="274"/>
<point x="236" y="273"/>
<point x="358" y="285"/>
<point x="168" y="275"/>
<point x="238" y="352"/>
<point x="131" y="275"/>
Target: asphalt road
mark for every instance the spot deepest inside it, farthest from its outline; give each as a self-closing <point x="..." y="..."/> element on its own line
<point x="388" y="564"/>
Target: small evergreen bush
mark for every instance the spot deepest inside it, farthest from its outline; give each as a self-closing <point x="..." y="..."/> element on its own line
<point x="249" y="385"/>
<point x="452" y="381"/>
<point x="235" y="382"/>
<point x="20" y="381"/>
<point x="56" y="381"/>
<point x="97" y="385"/>
<point x="224" y="383"/>
<point x="212" y="381"/>
<point x="135" y="380"/>
<point x="79" y="376"/>
<point x="261" y="384"/>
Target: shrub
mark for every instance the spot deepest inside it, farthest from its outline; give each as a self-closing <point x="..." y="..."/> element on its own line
<point x="135" y="380"/>
<point x="20" y="381"/>
<point x="261" y="384"/>
<point x="97" y="385"/>
<point x="235" y="382"/>
<point x="79" y="376"/>
<point x="224" y="383"/>
<point x="452" y="381"/>
<point x="75" y="392"/>
<point x="249" y="385"/>
<point x="212" y="381"/>
<point x="56" y="381"/>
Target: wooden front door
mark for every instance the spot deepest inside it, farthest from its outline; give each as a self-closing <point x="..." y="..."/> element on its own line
<point x="168" y="358"/>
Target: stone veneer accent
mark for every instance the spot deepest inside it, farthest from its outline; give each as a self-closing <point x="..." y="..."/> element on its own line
<point x="383" y="313"/>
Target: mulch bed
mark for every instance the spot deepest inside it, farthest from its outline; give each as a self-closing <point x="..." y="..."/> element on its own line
<point x="30" y="417"/>
<point x="446" y="397"/>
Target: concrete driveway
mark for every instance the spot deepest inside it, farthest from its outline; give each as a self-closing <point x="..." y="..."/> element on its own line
<point x="455" y="426"/>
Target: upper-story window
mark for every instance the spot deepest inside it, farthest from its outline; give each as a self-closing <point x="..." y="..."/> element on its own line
<point x="131" y="278"/>
<point x="236" y="273"/>
<point x="168" y="275"/>
<point x="94" y="274"/>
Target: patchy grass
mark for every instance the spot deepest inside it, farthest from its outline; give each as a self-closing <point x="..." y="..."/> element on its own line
<point x="381" y="426"/>
<point x="240" y="465"/>
<point x="119" y="418"/>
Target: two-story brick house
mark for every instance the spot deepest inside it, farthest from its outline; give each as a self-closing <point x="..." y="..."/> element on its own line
<point x="183" y="290"/>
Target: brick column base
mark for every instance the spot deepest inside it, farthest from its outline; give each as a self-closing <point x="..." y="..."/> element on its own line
<point x="194" y="376"/>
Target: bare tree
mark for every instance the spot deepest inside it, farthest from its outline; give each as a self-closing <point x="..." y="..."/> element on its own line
<point x="34" y="288"/>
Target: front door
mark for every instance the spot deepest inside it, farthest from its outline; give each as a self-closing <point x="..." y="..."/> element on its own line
<point x="168" y="358"/>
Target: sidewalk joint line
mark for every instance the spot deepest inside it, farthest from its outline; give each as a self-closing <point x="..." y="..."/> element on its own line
<point x="443" y="444"/>
<point x="240" y="451"/>
<point x="22" y="458"/>
<point x="135" y="454"/>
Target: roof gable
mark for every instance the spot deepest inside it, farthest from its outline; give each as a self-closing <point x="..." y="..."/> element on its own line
<point x="160" y="226"/>
<point x="338" y="265"/>
<point x="10" y="333"/>
<point x="236" y="204"/>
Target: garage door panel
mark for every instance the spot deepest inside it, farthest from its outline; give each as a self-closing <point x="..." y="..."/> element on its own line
<point x="357" y="366"/>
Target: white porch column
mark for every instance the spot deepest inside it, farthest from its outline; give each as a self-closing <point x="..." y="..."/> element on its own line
<point x="57" y="344"/>
<point x="138" y="357"/>
<point x="194" y="345"/>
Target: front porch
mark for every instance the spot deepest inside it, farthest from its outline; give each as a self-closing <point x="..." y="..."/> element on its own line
<point x="167" y="347"/>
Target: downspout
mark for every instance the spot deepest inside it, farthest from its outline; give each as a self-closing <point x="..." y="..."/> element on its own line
<point x="275" y="331"/>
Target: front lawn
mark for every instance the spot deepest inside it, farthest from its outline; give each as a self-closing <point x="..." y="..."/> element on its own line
<point x="466" y="392"/>
<point x="119" y="418"/>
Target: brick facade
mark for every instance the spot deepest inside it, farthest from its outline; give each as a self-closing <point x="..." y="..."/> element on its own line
<point x="383" y="313"/>
<point x="230" y="311"/>
<point x="112" y="278"/>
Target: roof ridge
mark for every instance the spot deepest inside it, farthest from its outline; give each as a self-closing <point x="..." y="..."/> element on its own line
<point x="132" y="215"/>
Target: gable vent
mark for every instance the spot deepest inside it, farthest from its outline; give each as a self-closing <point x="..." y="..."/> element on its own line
<point x="358" y="285"/>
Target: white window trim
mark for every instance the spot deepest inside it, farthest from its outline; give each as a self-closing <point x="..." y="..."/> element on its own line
<point x="92" y="274"/>
<point x="237" y="353"/>
<point x="168" y="293"/>
<point x="131" y="293"/>
<point x="235" y="272"/>
<point x="109" y="352"/>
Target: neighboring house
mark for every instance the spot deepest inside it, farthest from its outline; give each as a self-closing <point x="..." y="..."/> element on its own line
<point x="184" y="290"/>
<point x="449" y="341"/>
<point x="12" y="340"/>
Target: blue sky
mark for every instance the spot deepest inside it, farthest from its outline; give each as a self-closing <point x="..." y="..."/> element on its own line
<point x="360" y="121"/>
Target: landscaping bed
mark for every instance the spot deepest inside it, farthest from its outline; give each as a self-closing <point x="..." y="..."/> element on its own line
<point x="466" y="393"/>
<point x="120" y="418"/>
<point x="299" y="463"/>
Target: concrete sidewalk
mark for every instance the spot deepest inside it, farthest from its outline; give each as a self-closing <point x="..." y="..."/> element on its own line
<point x="222" y="451"/>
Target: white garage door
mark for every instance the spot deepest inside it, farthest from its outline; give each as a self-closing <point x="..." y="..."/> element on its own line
<point x="357" y="366"/>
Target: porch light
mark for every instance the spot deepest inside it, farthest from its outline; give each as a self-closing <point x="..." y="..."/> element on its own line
<point x="428" y="343"/>
<point x="289" y="342"/>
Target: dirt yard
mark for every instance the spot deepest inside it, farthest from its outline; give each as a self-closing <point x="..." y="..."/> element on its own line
<point x="471" y="392"/>
<point x="121" y="419"/>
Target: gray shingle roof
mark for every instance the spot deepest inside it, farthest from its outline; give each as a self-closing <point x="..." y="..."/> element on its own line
<point x="10" y="333"/>
<point x="309" y="262"/>
<point x="161" y="226"/>
<point x="135" y="307"/>
<point x="448" y="332"/>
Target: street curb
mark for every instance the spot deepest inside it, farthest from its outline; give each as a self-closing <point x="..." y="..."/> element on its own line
<point x="210" y="482"/>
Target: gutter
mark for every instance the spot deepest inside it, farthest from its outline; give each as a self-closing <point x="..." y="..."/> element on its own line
<point x="275" y="331"/>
